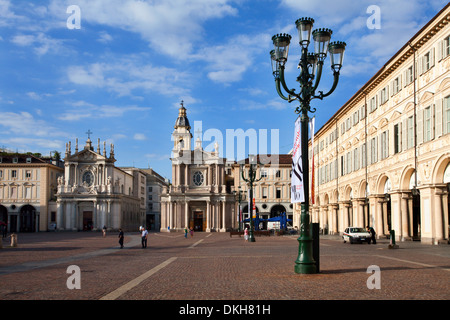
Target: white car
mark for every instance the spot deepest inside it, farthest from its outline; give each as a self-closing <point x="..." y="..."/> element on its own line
<point x="356" y="234"/>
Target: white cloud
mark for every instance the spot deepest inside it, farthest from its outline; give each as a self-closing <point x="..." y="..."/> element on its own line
<point x="28" y="144"/>
<point x="83" y="110"/>
<point x="105" y="37"/>
<point x="42" y="43"/>
<point x="231" y="60"/>
<point x="169" y="26"/>
<point x="23" y="123"/>
<point x="139" y="136"/>
<point x="123" y="76"/>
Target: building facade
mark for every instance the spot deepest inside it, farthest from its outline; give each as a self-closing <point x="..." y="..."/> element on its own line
<point x="93" y="193"/>
<point x="155" y="186"/>
<point x="200" y="196"/>
<point x="27" y="192"/>
<point x="272" y="193"/>
<point x="383" y="158"/>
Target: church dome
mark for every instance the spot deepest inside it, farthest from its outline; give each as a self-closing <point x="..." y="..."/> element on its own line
<point x="182" y="120"/>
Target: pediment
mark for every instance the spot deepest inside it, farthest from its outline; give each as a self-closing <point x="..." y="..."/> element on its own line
<point x="383" y="122"/>
<point x="426" y="96"/>
<point x="444" y="84"/>
<point x="395" y="115"/>
<point x="86" y="155"/>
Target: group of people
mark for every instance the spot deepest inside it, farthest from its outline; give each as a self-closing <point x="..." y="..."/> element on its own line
<point x="191" y="231"/>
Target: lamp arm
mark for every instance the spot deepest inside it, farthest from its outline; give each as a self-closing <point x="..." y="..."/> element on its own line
<point x="283" y="83"/>
<point x="277" y="85"/>
<point x="318" y="75"/>
<point x="335" y="83"/>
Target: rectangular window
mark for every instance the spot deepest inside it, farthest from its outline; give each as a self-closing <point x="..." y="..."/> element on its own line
<point x="426" y="61"/>
<point x="384" y="95"/>
<point x="397" y="138"/>
<point x="278" y="174"/>
<point x="1" y="174"/>
<point x="396" y="85"/>
<point x="447" y="114"/>
<point x="349" y="162"/>
<point x="362" y="112"/>
<point x="28" y="193"/>
<point x="373" y="151"/>
<point x="373" y="105"/>
<point x="264" y="173"/>
<point x="13" y="192"/>
<point x="342" y="165"/>
<point x="410" y="132"/>
<point x="264" y="192"/>
<point x="356" y="159"/>
<point x="355" y="117"/>
<point x="428" y="124"/>
<point x="409" y="75"/>
<point x="384" y="144"/>
<point x="363" y="155"/>
<point x="278" y="193"/>
<point x="447" y="46"/>
<point x="13" y="173"/>
<point x="28" y="174"/>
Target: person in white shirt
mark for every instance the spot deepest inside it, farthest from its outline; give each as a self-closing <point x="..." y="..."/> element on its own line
<point x="144" y="235"/>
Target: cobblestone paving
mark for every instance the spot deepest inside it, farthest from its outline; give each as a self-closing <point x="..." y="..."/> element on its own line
<point x="213" y="266"/>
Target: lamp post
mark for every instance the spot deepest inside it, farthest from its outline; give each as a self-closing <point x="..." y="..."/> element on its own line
<point x="238" y="197"/>
<point x="311" y="65"/>
<point x="252" y="159"/>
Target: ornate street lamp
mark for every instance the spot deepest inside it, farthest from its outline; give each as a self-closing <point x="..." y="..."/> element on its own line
<point x="238" y="198"/>
<point x="311" y="65"/>
<point x="252" y="159"/>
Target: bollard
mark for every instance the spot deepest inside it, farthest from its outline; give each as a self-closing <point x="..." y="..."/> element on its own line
<point x="392" y="244"/>
<point x="13" y="240"/>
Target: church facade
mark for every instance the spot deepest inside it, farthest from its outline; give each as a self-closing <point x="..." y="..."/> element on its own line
<point x="200" y="196"/>
<point x="93" y="193"/>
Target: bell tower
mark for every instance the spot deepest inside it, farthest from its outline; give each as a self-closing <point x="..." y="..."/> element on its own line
<point x="181" y="136"/>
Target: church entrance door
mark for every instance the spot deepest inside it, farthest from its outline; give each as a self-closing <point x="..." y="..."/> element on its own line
<point x="198" y="221"/>
<point x="87" y="220"/>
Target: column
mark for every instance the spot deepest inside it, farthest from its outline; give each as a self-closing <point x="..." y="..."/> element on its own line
<point x="379" y="217"/>
<point x="446" y="214"/>
<point x="224" y="205"/>
<point x="396" y="216"/>
<point x="438" y="219"/>
<point x="186" y="214"/>
<point x="59" y="215"/>
<point x="208" y="216"/>
<point x="406" y="235"/>
<point x="94" y="217"/>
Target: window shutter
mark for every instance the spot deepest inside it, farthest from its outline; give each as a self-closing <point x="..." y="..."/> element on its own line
<point x="419" y="127"/>
<point x="440" y="50"/>
<point x="420" y="65"/>
<point x="404" y="132"/>
<point x="432" y="57"/>
<point x="439" y="117"/>
<point x="432" y="121"/>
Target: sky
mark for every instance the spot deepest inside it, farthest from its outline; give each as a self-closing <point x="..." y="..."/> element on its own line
<point x="120" y="68"/>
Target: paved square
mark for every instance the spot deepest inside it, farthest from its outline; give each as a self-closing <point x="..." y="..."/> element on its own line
<point x="213" y="266"/>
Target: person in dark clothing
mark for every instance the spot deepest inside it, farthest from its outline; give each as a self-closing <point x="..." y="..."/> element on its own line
<point x="372" y="233"/>
<point x="121" y="237"/>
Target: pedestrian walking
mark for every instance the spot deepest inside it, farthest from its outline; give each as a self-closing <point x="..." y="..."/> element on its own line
<point x="144" y="236"/>
<point x="372" y="233"/>
<point x="104" y="231"/>
<point x="246" y="234"/>
<point x="192" y="232"/>
<point x="185" y="232"/>
<point x="121" y="238"/>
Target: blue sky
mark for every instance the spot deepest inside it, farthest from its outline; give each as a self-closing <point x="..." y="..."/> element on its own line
<point x="123" y="73"/>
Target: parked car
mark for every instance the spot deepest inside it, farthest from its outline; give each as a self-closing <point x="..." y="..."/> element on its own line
<point x="356" y="234"/>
